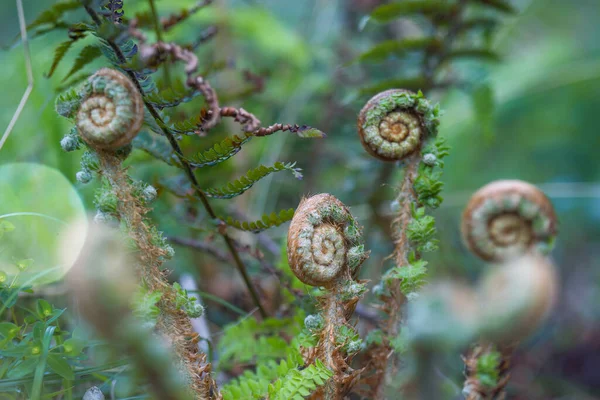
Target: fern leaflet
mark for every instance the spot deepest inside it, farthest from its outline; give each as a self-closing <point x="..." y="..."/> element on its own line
<point x="267" y="221"/>
<point x="244" y="183"/>
<point x="86" y="56"/>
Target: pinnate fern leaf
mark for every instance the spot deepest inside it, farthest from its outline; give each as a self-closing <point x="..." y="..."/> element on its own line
<point x="267" y="221"/>
<point x="156" y="146"/>
<point x="172" y="96"/>
<point x="244" y="183"/>
<point x="387" y="48"/>
<point x="299" y="384"/>
<point x="86" y="56"/>
<point x="220" y="152"/>
<point x="499" y="5"/>
<point x="59" y="53"/>
<point x="391" y="11"/>
<point x="54" y="13"/>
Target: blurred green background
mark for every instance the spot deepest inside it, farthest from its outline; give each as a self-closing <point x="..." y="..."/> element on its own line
<point x="544" y="130"/>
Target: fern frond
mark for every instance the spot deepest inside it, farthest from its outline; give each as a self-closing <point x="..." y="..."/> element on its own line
<point x="60" y="52"/>
<point x="244" y="183"/>
<point x="252" y="341"/>
<point x="411" y="277"/>
<point x="398" y="47"/>
<point x="68" y="102"/>
<point x="54" y="14"/>
<point x="188" y="126"/>
<point x="127" y="47"/>
<point x="255" y="385"/>
<point x="481" y="54"/>
<point x="86" y="56"/>
<point x="499" y="5"/>
<point x="267" y="221"/>
<point x="221" y="151"/>
<point x="174" y="95"/>
<point x="389" y="12"/>
<point x="157" y="146"/>
<point x="298" y="384"/>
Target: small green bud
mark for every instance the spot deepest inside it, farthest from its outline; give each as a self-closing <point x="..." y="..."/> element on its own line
<point x="430" y="159"/>
<point x="194" y="310"/>
<point x="69" y="143"/>
<point x="3" y="277"/>
<point x="90" y="161"/>
<point x="313" y="322"/>
<point x="84" y="176"/>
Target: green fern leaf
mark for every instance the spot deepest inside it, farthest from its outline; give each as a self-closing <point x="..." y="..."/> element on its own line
<point x="55" y="13"/>
<point x="298" y="384"/>
<point x="86" y="56"/>
<point x="499" y="5"/>
<point x="176" y="94"/>
<point x="481" y="54"/>
<point x="157" y="146"/>
<point x="389" y="12"/>
<point x="244" y="183"/>
<point x="252" y="341"/>
<point x="267" y="221"/>
<point x="188" y="126"/>
<point x="68" y="102"/>
<point x="59" y="54"/>
<point x="220" y="152"/>
<point x="398" y="47"/>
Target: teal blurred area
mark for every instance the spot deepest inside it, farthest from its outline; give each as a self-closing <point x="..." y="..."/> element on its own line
<point x="544" y="128"/>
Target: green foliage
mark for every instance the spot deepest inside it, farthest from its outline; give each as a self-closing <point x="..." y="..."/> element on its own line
<point x="86" y="56"/>
<point x="60" y="52"/>
<point x="421" y="230"/>
<point x="267" y="221"/>
<point x="258" y="342"/>
<point x="484" y="107"/>
<point x="244" y="183"/>
<point x="172" y="96"/>
<point x="221" y="151"/>
<point x="157" y="146"/>
<point x="487" y="368"/>
<point x="255" y="384"/>
<point x="398" y="47"/>
<point x="391" y="11"/>
<point x="54" y="14"/>
<point x="411" y="276"/>
<point x="499" y="5"/>
<point x="186" y="302"/>
<point x="144" y="305"/>
<point x="298" y="384"/>
<point x="428" y="185"/>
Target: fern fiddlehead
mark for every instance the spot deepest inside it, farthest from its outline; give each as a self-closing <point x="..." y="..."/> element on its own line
<point x="392" y="124"/>
<point x="508" y="218"/>
<point x="396" y="125"/>
<point x="512" y="223"/>
<point x="111" y="112"/>
<point x="108" y="116"/>
<point x="325" y="250"/>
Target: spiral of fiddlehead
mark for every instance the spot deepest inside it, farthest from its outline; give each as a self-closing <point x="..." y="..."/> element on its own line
<point x="507" y="218"/>
<point x="393" y="124"/>
<point x="324" y="241"/>
<point x="111" y="111"/>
